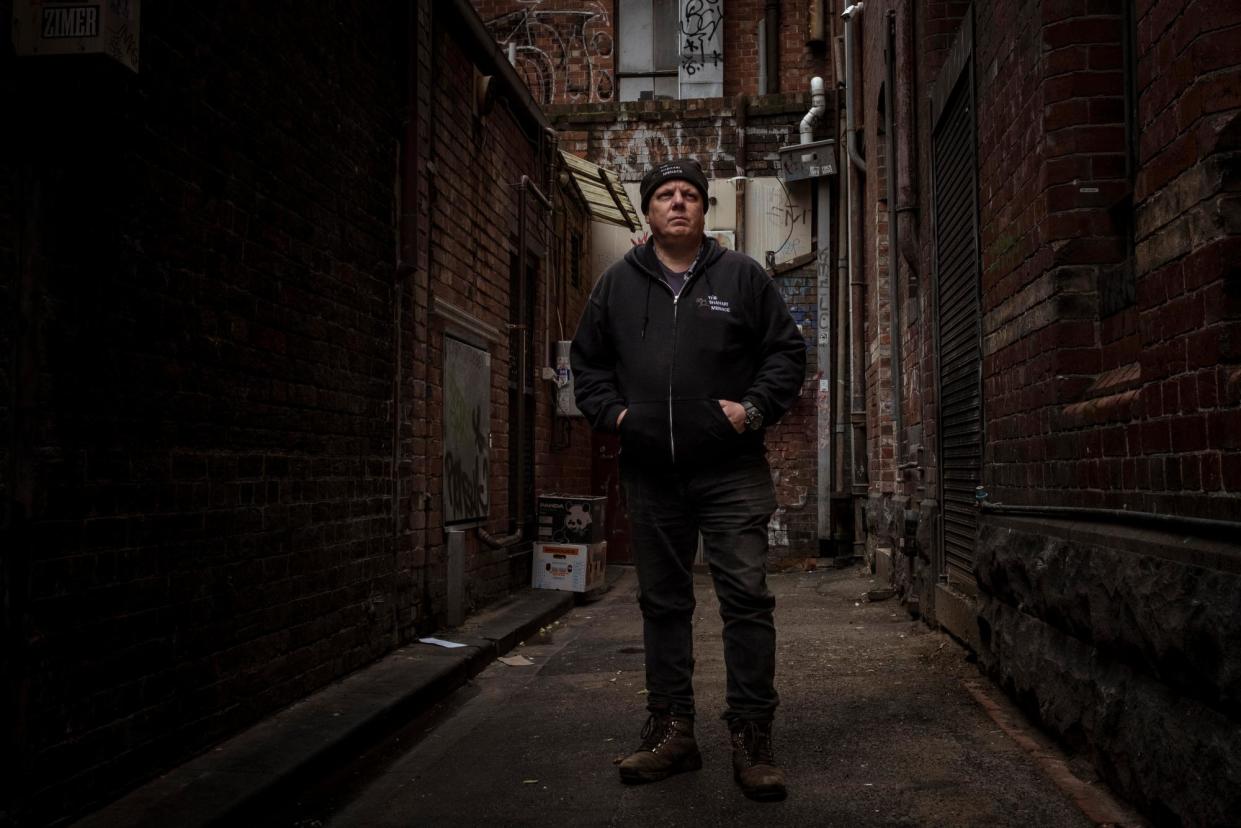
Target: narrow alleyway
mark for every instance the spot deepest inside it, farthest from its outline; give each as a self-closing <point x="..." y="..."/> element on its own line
<point x="876" y="728"/>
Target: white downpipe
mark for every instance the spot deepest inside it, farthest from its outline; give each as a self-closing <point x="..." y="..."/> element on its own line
<point x="818" y="106"/>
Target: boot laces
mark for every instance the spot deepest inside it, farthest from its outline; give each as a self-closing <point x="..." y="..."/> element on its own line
<point x="655" y="732"/>
<point x="755" y="741"/>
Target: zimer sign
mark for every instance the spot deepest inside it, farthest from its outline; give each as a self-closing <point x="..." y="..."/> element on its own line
<point x="70" y="21"/>
<point x="69" y="27"/>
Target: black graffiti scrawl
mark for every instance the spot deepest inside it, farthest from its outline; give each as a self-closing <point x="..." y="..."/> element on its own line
<point x="700" y="35"/>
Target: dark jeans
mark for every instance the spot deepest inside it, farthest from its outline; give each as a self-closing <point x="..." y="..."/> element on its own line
<point x="730" y="503"/>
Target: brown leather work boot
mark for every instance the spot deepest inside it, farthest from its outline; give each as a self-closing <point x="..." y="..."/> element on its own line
<point x="754" y="762"/>
<point x="667" y="748"/>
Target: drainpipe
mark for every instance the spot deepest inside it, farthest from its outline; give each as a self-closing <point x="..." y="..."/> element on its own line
<point x="906" y="149"/>
<point x="894" y="261"/>
<point x="771" y="23"/>
<point x="856" y="169"/>
<point x="741" y="108"/>
<point x="526" y="185"/>
<point x="840" y="390"/>
<point x="818" y="105"/>
<point x="406" y="265"/>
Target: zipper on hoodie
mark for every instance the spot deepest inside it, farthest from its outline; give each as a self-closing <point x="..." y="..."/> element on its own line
<point x="672" y="436"/>
<point x="676" y="297"/>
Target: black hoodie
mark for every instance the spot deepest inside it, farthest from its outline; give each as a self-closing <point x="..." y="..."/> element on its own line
<point x="671" y="360"/>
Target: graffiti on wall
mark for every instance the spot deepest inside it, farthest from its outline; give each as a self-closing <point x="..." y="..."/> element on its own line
<point x="467" y="417"/>
<point x="631" y="151"/>
<point x="563" y="53"/>
<point x="701" y="35"/>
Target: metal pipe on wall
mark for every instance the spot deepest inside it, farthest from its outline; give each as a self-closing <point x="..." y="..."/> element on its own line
<point x="771" y="20"/>
<point x="840" y="390"/>
<point x="894" y="261"/>
<point x="526" y="185"/>
<point x="906" y="148"/>
<point x="855" y="169"/>
<point x="741" y="108"/>
<point x="406" y="265"/>
<point x="824" y="326"/>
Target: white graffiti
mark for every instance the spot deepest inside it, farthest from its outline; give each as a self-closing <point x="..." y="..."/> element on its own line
<point x="551" y="43"/>
<point x="631" y="152"/>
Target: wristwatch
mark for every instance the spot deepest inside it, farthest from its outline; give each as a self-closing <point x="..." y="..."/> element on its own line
<point x="753" y="417"/>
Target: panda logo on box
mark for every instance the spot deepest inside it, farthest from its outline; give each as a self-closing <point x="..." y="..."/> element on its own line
<point x="577" y="524"/>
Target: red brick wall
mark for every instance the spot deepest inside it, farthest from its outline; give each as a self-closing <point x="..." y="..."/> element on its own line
<point x="208" y="440"/>
<point x="1126" y="409"/>
<point x="791" y="444"/>
<point x="566" y="48"/>
<point x="629" y="137"/>
<point x="1183" y="440"/>
<point x="216" y="525"/>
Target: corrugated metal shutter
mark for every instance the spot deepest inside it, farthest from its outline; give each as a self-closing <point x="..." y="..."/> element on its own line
<point x="960" y="352"/>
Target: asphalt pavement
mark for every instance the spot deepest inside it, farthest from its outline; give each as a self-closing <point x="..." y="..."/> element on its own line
<point x="883" y="721"/>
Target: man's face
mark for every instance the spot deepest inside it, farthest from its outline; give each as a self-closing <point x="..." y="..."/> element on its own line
<point x="676" y="211"/>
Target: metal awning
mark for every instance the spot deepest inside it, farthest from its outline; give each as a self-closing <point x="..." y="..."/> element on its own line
<point x="601" y="189"/>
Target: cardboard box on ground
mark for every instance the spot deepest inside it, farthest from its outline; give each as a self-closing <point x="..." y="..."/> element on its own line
<point x="571" y="518"/>
<point x="573" y="567"/>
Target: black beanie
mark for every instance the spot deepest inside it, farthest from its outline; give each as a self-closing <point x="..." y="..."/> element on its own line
<point x="686" y="169"/>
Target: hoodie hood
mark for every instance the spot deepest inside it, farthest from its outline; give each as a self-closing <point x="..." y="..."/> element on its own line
<point x="644" y="259"/>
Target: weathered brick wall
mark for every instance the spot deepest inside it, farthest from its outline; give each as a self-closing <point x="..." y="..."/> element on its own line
<point x="566" y="49"/>
<point x="1182" y="442"/>
<point x="474" y="244"/>
<point x="225" y="515"/>
<point x="798" y="61"/>
<point x="211" y="441"/>
<point x="629" y="137"/>
<point x="1129" y="407"/>
<point x="791" y="443"/>
<point x="564" y="457"/>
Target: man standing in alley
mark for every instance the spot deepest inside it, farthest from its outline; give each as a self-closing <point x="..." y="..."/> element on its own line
<point x="689" y="352"/>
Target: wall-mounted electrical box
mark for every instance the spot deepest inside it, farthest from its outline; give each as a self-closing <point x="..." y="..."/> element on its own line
<point x="813" y="160"/>
<point x="56" y="27"/>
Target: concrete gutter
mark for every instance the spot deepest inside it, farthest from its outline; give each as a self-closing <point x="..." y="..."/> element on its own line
<point x="291" y="749"/>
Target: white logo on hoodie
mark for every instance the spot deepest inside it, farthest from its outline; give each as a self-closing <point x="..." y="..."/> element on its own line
<point x="714" y="303"/>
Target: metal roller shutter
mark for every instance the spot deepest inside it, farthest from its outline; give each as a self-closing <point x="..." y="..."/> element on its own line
<point x="960" y="352"/>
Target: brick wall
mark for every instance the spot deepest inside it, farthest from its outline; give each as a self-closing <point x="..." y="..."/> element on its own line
<point x="1188" y="235"/>
<point x="629" y="137"/>
<point x="1125" y="406"/>
<point x="566" y="49"/>
<point x="210" y="434"/>
<point x="224" y="515"/>
<point x="791" y="443"/>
